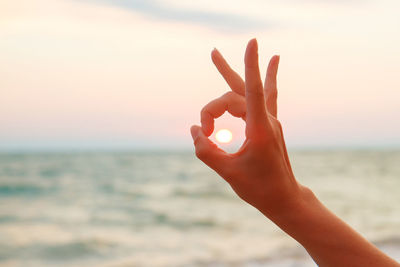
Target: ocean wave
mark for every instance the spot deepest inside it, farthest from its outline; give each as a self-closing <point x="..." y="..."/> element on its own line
<point x="202" y="193"/>
<point x="69" y="251"/>
<point x="23" y="190"/>
<point x="169" y="210"/>
<point x="184" y="224"/>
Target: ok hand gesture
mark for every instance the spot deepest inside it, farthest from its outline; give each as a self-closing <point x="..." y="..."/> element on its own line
<point x="260" y="172"/>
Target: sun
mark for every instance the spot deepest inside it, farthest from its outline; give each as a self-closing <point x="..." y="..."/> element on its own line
<point x="223" y="136"/>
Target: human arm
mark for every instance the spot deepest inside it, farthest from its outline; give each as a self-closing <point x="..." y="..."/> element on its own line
<point x="260" y="172"/>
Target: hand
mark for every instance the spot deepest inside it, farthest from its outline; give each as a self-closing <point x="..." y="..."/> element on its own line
<point x="260" y="172"/>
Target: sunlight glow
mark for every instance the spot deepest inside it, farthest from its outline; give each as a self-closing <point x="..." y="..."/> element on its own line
<point x="223" y="136"/>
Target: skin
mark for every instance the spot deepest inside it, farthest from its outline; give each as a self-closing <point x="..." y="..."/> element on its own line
<point x="260" y="172"/>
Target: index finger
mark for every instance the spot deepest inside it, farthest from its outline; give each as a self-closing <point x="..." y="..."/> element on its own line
<point x="233" y="103"/>
<point x="233" y="79"/>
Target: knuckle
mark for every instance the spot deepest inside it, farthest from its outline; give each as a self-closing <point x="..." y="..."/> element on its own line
<point x="229" y="94"/>
<point x="275" y="122"/>
<point x="204" y="111"/>
<point x="196" y="143"/>
<point x="201" y="153"/>
<point x="254" y="92"/>
<point x="205" y="115"/>
<point x="278" y="125"/>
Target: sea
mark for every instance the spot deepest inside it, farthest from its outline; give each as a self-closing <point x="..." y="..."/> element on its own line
<point x="166" y="208"/>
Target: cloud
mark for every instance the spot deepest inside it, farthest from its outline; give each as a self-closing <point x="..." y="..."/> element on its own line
<point x="154" y="9"/>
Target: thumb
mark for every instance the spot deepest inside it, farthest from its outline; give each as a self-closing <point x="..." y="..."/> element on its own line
<point x="208" y="152"/>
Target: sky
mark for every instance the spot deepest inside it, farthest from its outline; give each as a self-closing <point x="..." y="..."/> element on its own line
<point x="127" y="74"/>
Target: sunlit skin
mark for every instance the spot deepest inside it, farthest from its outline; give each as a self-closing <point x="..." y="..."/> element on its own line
<point x="260" y="172"/>
<point x="223" y="136"/>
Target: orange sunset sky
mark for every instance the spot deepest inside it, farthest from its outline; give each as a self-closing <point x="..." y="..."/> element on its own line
<point x="135" y="74"/>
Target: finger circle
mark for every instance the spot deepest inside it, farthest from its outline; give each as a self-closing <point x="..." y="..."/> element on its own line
<point x="232" y="102"/>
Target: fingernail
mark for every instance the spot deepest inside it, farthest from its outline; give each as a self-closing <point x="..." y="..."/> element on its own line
<point x="254" y="42"/>
<point x="251" y="54"/>
<point x="215" y="51"/>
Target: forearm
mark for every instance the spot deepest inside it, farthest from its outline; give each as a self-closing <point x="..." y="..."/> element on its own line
<point x="260" y="171"/>
<point x="329" y="240"/>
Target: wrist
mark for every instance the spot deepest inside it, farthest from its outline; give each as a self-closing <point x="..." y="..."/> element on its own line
<point x="292" y="207"/>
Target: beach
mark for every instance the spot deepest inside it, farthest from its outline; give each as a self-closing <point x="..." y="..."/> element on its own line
<point x="166" y="208"/>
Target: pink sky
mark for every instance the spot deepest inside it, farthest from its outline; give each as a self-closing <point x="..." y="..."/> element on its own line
<point x="93" y="74"/>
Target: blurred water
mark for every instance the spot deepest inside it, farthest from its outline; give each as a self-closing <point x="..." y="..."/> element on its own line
<point x="168" y="209"/>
